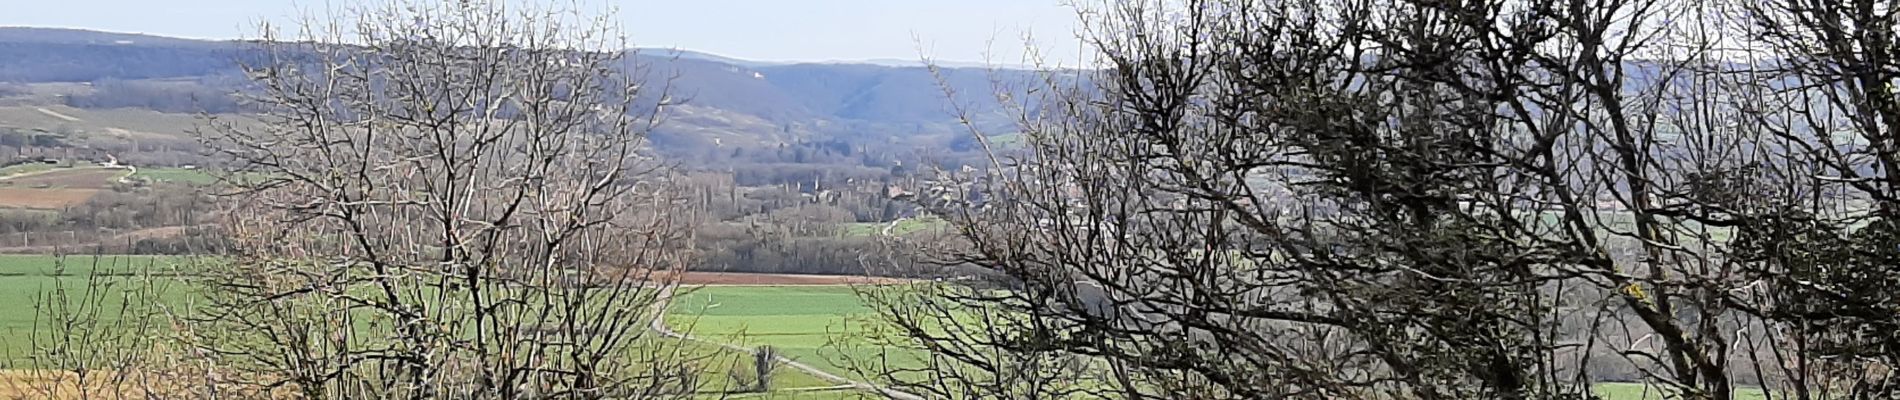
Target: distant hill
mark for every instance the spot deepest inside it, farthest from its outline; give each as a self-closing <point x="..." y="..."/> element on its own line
<point x="784" y="93"/>
<point x="703" y="56"/>
<point x="65" y="36"/>
<point x="66" y="55"/>
<point x="735" y="112"/>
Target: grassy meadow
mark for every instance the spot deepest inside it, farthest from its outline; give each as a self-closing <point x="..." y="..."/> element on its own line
<point x="825" y="325"/>
<point x="178" y="175"/>
<point x="27" y="280"/>
<point x="907" y="226"/>
<point x="818" y="325"/>
<point x="1637" y="391"/>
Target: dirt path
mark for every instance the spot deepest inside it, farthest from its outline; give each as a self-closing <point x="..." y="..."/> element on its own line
<point x="56" y="114"/>
<point x="127" y="178"/>
<point x="25" y="174"/>
<point x="659" y="325"/>
<point x="893" y="226"/>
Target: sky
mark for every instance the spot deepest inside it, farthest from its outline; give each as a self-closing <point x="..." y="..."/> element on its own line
<point x="763" y="30"/>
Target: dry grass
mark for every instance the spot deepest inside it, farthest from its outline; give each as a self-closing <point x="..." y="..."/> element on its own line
<point x="44" y="199"/>
<point x="125" y="123"/>
<point x="49" y="384"/>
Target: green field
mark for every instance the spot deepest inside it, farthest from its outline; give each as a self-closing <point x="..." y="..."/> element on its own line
<point x="26" y="280"/>
<point x="179" y="175"/>
<point x="817" y="325"/>
<point x="805" y="323"/>
<point x="912" y="225"/>
<point x="1637" y="391"/>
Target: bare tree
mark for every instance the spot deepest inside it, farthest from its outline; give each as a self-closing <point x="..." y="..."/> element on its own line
<point x="1423" y="199"/>
<point x="96" y="334"/>
<point x="1814" y="214"/>
<point x="445" y="200"/>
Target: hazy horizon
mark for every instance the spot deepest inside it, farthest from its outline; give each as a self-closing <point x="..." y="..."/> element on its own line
<point x="769" y="31"/>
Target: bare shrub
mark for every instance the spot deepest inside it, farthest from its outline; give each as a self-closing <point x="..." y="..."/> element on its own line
<point x="445" y="200"/>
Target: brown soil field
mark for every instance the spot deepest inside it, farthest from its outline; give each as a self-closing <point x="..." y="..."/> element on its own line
<point x="49" y="384"/>
<point x="76" y="178"/>
<point x="733" y="278"/>
<point x="42" y="384"/>
<point x="56" y="188"/>
<point x="11" y="197"/>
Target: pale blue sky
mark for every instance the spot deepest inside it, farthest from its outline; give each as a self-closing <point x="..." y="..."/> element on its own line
<point x="771" y="30"/>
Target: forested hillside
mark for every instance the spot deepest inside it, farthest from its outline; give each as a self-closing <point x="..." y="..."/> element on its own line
<point x="790" y="163"/>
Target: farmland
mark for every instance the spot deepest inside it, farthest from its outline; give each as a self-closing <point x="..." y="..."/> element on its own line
<point x="105" y="124"/>
<point x="900" y="227"/>
<point x="179" y="175"/>
<point x="42" y="188"/>
<point x="827" y="327"/>
<point x="814" y="320"/>
<point x="26" y="279"/>
<point x="802" y="322"/>
<point x="1192" y="199"/>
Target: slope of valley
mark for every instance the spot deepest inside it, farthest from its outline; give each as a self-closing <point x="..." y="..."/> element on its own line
<point x="809" y="153"/>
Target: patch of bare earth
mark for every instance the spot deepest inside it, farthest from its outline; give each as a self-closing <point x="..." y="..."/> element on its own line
<point x="108" y="384"/>
<point x="45" y="199"/>
<point x="75" y="178"/>
<point x="56" y="188"/>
